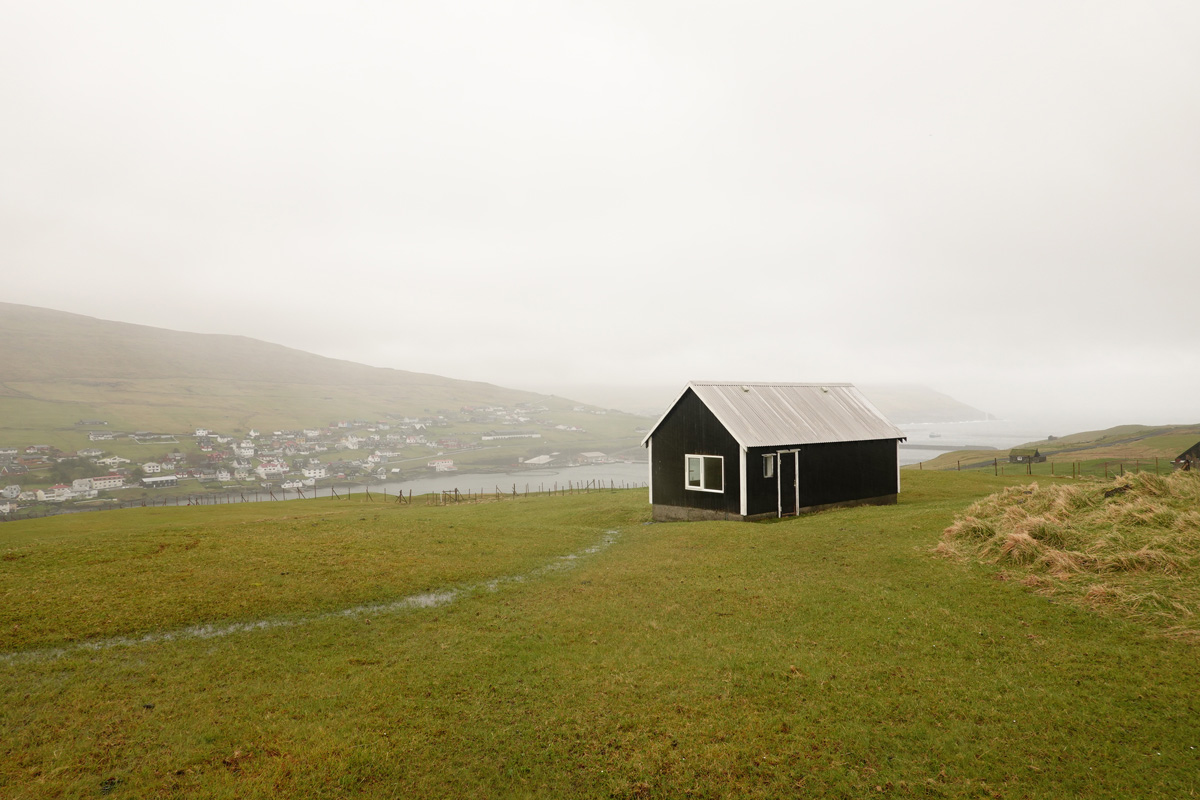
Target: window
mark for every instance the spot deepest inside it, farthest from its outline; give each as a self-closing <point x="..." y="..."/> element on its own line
<point x="706" y="473"/>
<point x="769" y="466"/>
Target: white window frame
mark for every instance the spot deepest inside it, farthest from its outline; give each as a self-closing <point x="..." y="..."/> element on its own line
<point x="769" y="465"/>
<point x="687" y="484"/>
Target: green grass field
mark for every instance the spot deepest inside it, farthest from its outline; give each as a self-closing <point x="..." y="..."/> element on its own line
<point x="564" y="647"/>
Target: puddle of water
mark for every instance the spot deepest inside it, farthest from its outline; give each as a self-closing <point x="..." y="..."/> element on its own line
<point x="424" y="600"/>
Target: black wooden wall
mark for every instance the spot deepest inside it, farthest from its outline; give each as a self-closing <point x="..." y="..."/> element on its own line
<point x="842" y="471"/>
<point x="691" y="428"/>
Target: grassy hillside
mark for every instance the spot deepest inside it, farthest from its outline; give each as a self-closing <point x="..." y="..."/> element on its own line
<point x="67" y="367"/>
<point x="57" y="369"/>
<point x="1137" y="446"/>
<point x="563" y="647"/>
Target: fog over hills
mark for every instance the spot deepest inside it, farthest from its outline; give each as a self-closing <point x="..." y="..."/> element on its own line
<point x="152" y="377"/>
<point x="46" y="345"/>
<point x="901" y="403"/>
<point x="116" y="368"/>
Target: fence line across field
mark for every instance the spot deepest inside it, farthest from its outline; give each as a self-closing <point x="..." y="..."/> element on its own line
<point x="436" y="498"/>
<point x="1095" y="468"/>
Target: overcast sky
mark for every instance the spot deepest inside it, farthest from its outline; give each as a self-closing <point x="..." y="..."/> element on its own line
<point x="998" y="200"/>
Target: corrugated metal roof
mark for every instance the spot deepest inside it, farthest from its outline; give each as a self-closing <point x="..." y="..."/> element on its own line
<point x="769" y="414"/>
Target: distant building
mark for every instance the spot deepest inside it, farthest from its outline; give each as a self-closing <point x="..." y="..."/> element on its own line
<point x="1025" y="455"/>
<point x="1189" y="459"/>
<point x="108" y="482"/>
<point x="159" y="481"/>
<point x="112" y="461"/>
<point x="55" y="494"/>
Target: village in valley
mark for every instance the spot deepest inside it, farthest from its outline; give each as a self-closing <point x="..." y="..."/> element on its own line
<point x="119" y="465"/>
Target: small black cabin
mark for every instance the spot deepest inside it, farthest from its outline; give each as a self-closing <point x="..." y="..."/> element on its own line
<point x="756" y="450"/>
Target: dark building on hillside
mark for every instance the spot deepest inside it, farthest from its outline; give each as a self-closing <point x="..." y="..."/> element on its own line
<point x="1190" y="458"/>
<point x="752" y="451"/>
<point x="1025" y="455"/>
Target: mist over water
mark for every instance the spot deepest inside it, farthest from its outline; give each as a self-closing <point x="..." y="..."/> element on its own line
<point x="927" y="440"/>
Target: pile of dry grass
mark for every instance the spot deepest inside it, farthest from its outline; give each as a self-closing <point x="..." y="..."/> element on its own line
<point x="1132" y="545"/>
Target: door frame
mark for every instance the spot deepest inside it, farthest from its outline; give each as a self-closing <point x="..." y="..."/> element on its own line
<point x="779" y="454"/>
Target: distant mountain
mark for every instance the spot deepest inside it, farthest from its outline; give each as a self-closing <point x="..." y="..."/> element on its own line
<point x="56" y="368"/>
<point x="907" y="404"/>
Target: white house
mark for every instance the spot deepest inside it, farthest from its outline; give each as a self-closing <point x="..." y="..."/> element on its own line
<point x="82" y="484"/>
<point x="108" y="482"/>
<point x="271" y="469"/>
<point x="10" y="492"/>
<point x="151" y="468"/>
<point x="315" y="473"/>
<point x="55" y="494"/>
<point x="112" y="461"/>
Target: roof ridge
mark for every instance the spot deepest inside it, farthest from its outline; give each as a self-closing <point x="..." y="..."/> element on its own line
<point x="769" y="383"/>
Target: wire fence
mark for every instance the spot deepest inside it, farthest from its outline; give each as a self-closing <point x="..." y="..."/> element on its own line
<point x="1073" y="468"/>
<point x="361" y="492"/>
